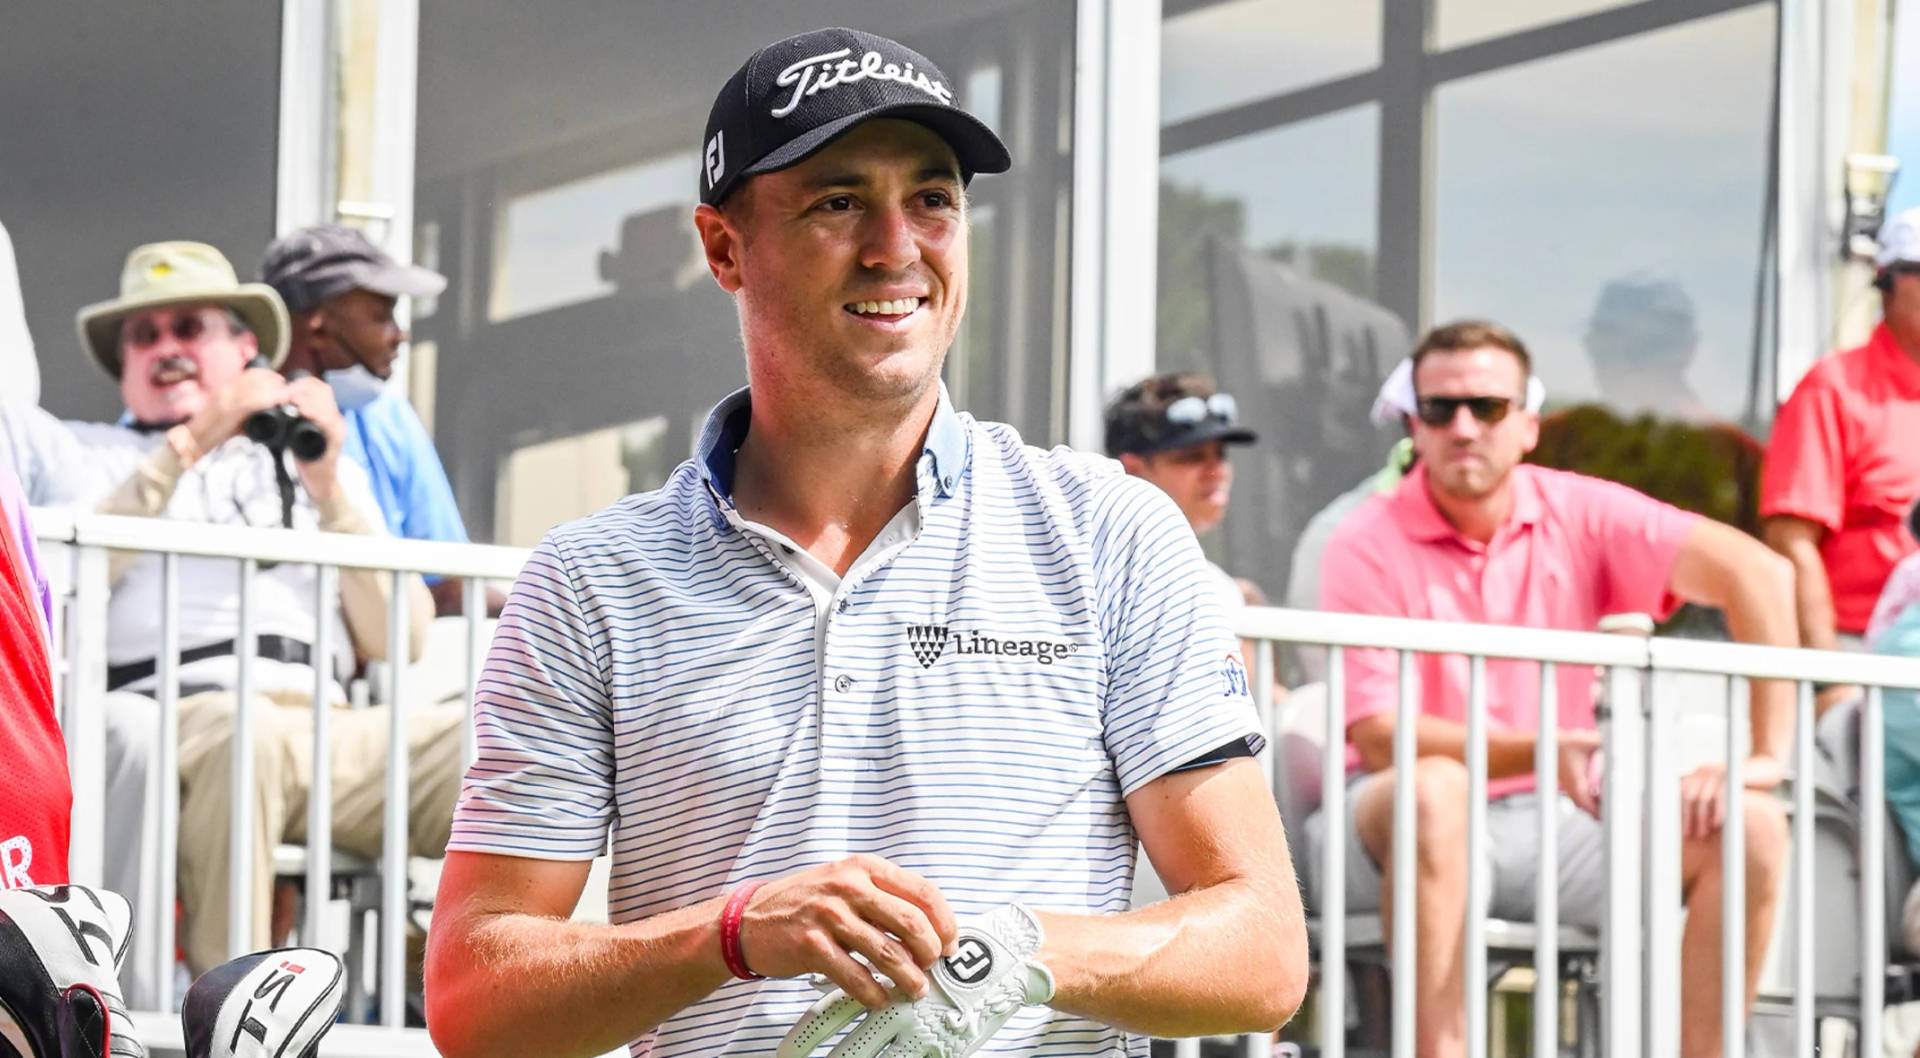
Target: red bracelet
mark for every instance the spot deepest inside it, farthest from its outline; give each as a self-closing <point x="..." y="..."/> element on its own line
<point x="730" y="933"/>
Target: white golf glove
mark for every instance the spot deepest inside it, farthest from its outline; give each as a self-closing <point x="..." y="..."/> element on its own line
<point x="971" y="994"/>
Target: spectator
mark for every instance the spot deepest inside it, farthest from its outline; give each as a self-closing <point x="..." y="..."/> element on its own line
<point x="1843" y="464"/>
<point x="1641" y="341"/>
<point x="33" y="758"/>
<point x="18" y="364"/>
<point x="1173" y="430"/>
<point x="184" y="341"/>
<point x="1471" y="535"/>
<point x="1895" y="629"/>
<point x="340" y="291"/>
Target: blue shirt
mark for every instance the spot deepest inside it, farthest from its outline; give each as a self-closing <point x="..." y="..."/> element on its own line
<point x="389" y="440"/>
<point x="973" y="701"/>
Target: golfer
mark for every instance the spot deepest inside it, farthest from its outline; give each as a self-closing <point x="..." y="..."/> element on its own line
<point x="869" y="689"/>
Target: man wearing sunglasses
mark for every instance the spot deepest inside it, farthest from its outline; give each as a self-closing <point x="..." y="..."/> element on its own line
<point x="1843" y="464"/>
<point x="1471" y="534"/>
<point x="192" y="350"/>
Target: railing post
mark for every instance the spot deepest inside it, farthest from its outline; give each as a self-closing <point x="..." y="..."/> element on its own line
<point x="1663" y="879"/>
<point x="1873" y="877"/>
<point x="1406" y="979"/>
<point x="1479" y="885"/>
<point x="320" y="795"/>
<point x="393" y="877"/>
<point x="1333" y="872"/>
<point x="1733" y="884"/>
<point x="240" y="834"/>
<point x="1623" y="729"/>
<point x="86" y="731"/>
<point x="1546" y="894"/>
<point x="1803" y="766"/>
<point x="167" y="772"/>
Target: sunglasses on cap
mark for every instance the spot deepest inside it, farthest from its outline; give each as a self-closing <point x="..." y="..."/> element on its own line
<point x="1439" y="411"/>
<point x="1189" y="410"/>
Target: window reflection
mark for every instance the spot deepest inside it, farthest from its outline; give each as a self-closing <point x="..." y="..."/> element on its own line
<point x="1617" y="232"/>
<point x="1222" y="54"/>
<point x="1267" y="249"/>
<point x="1457" y="22"/>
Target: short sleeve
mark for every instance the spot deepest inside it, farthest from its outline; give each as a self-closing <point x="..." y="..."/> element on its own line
<point x="431" y="511"/>
<point x="1638" y="539"/>
<point x="541" y="785"/>
<point x="1354" y="578"/>
<point x="1805" y="470"/>
<point x="1176" y="686"/>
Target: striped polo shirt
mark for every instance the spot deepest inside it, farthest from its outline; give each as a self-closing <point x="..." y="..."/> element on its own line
<point x="1037" y="638"/>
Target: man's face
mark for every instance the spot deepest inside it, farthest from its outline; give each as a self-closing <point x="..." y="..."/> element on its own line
<point x="851" y="267"/>
<point x="173" y="359"/>
<point x="358" y="327"/>
<point x="1198" y="477"/>
<point x="1466" y="457"/>
<point x="1902" y="305"/>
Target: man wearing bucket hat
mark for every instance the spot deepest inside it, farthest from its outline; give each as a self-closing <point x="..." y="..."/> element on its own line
<point x="1843" y="463"/>
<point x="341" y="291"/>
<point x="188" y="343"/>
<point x="868" y="689"/>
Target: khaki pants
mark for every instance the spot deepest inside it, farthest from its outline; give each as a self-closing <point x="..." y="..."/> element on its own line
<point x="283" y="770"/>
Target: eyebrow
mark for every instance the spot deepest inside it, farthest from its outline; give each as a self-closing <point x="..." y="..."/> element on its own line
<point x="851" y="179"/>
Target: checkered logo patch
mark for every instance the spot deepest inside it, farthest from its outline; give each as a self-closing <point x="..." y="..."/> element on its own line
<point x="928" y="643"/>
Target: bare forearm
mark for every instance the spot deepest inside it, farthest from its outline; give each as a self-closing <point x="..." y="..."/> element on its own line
<point x="514" y="984"/>
<point x="1225" y="959"/>
<point x="1761" y="610"/>
<point x="1508" y="752"/>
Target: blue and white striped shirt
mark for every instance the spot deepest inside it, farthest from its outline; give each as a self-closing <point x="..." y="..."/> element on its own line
<point x="973" y="702"/>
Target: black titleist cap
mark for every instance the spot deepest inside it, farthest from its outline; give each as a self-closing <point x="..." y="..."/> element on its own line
<point x="796" y="96"/>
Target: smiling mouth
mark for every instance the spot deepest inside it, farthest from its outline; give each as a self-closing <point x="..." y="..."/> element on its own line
<point x="890" y="309"/>
<point x="174" y="369"/>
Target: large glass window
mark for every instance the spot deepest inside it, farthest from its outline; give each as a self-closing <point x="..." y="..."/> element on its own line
<point x="126" y="124"/>
<point x="581" y="339"/>
<point x="1599" y="184"/>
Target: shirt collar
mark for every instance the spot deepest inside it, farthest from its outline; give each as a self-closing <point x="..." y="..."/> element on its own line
<point x="943" y="456"/>
<point x="1420" y="517"/>
<point x="1898" y="365"/>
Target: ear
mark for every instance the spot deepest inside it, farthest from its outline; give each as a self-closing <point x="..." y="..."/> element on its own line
<point x="1530" y="434"/>
<point x="1135" y="464"/>
<point x="249" y="346"/>
<point x="720" y="242"/>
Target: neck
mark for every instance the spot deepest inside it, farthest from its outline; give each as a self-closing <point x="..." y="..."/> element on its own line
<point x="1908" y="341"/>
<point x="1476" y="518"/>
<point x="300" y="357"/>
<point x="827" y="475"/>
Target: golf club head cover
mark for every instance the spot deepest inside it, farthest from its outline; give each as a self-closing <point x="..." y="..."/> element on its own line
<point x="60" y="952"/>
<point x="270" y="1004"/>
<point x="972" y="994"/>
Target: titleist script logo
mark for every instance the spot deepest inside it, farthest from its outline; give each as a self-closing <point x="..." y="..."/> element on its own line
<point x="817" y="73"/>
<point x="932" y="642"/>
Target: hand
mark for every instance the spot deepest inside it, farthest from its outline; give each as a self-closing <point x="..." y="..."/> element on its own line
<point x="816" y="921"/>
<point x="1576" y="769"/>
<point x="991" y="975"/>
<point x="314" y="399"/>
<point x="221" y="417"/>
<point x="1703" y="793"/>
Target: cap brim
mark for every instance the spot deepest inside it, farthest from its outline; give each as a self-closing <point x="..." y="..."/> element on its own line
<point x="257" y="303"/>
<point x="397" y="280"/>
<point x="1202" y="433"/>
<point x="974" y="144"/>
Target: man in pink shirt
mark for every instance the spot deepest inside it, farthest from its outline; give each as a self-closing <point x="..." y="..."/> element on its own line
<point x="1470" y="534"/>
<point x="1843" y="465"/>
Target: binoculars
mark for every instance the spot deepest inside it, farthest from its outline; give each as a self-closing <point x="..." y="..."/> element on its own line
<point x="283" y="429"/>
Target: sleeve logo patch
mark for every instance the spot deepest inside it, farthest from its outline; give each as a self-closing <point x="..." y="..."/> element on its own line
<point x="1233" y="676"/>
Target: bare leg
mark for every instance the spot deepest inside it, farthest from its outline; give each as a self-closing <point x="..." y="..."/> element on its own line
<point x="1701" y="882"/>
<point x="1440" y="890"/>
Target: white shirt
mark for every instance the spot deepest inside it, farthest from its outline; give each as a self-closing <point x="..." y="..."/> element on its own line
<point x="972" y="701"/>
<point x="77" y="464"/>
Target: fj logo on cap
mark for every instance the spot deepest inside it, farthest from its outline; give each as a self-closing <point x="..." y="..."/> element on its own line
<point x="818" y="73"/>
<point x="716" y="158"/>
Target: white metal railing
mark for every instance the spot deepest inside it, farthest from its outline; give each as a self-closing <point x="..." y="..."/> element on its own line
<point x="81" y="659"/>
<point x="1638" y="945"/>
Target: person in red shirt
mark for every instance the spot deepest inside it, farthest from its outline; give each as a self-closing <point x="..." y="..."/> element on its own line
<point x="36" y="798"/>
<point x="1843" y="465"/>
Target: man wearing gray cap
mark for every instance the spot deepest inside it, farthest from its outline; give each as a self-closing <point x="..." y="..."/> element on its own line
<point x="868" y="689"/>
<point x="341" y="291"/>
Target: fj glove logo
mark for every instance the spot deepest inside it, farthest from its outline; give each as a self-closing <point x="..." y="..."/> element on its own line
<point x="974" y="992"/>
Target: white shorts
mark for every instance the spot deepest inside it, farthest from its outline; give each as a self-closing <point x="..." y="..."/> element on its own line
<point x="1513" y="843"/>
